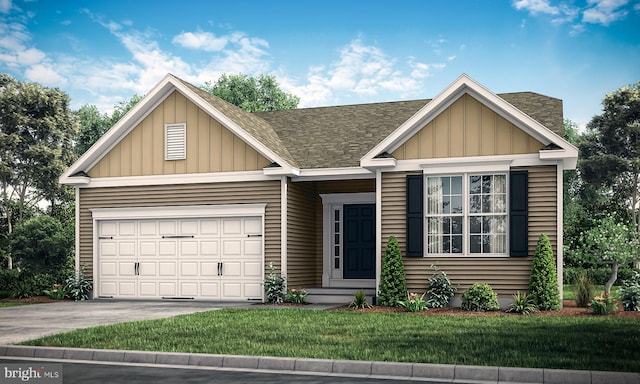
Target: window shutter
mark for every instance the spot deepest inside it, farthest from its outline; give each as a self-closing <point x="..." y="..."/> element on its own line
<point x="415" y="215"/>
<point x="175" y="145"/>
<point x="519" y="213"/>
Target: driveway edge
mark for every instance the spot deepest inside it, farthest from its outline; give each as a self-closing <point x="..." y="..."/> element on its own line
<point x="373" y="369"/>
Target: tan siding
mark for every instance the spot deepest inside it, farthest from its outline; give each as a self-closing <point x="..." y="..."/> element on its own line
<point x="302" y="235"/>
<point x="189" y="194"/>
<point x="210" y="147"/>
<point x="467" y="128"/>
<point x="505" y="274"/>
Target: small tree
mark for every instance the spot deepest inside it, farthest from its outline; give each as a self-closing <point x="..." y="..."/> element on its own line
<point x="393" y="283"/>
<point x="543" y="285"/>
<point x="612" y="243"/>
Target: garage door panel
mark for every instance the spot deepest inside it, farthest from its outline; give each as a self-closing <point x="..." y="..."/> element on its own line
<point x="148" y="288"/>
<point x="231" y="289"/>
<point x="231" y="248"/>
<point x="108" y="228"/>
<point x="188" y="248"/>
<point x="189" y="289"/>
<point x="208" y="268"/>
<point x="148" y="228"/>
<point x="108" y="248"/>
<point x="210" y="290"/>
<point x="127" y="248"/>
<point x="126" y="268"/>
<point x="188" y="269"/>
<point x="209" y="247"/>
<point x="167" y="248"/>
<point x="167" y="228"/>
<point x="108" y="268"/>
<point x="253" y="247"/>
<point x="231" y="227"/>
<point x="148" y="248"/>
<point x="188" y="227"/>
<point x="253" y="269"/>
<point x="127" y="289"/>
<point x="168" y="288"/>
<point x="168" y="269"/>
<point x="253" y="226"/>
<point x="253" y="290"/>
<point x="147" y="269"/>
<point x="209" y="227"/>
<point x="232" y="269"/>
<point x="108" y="288"/>
<point x="127" y="228"/>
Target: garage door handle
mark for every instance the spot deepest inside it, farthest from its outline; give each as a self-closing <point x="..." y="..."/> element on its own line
<point x="254" y="235"/>
<point x="219" y="268"/>
<point x="177" y="236"/>
<point x="137" y="268"/>
<point x="105" y="237"/>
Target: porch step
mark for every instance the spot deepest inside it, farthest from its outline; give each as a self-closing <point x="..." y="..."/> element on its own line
<point x="338" y="296"/>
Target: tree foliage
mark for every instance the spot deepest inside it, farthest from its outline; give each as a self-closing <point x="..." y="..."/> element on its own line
<point x="543" y="284"/>
<point x="41" y="245"/>
<point x="252" y="94"/>
<point x="36" y="144"/>
<point x="610" y="151"/>
<point x="393" y="283"/>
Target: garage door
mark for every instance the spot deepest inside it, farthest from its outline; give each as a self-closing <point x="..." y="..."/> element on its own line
<point x="200" y="258"/>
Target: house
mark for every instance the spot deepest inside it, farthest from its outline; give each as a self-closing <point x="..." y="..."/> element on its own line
<point x="189" y="196"/>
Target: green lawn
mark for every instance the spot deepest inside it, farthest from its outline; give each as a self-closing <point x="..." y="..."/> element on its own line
<point x="569" y="291"/>
<point x="12" y="304"/>
<point x="598" y="343"/>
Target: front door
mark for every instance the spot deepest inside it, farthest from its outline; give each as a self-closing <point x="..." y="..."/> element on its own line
<point x="359" y="241"/>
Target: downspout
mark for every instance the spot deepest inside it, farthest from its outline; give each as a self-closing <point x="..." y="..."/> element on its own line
<point x="378" y="229"/>
<point x="77" y="230"/>
<point x="560" y="230"/>
<point x="283" y="225"/>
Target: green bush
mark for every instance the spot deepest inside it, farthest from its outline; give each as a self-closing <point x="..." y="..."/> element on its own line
<point x="79" y="286"/>
<point x="41" y="245"/>
<point x="359" y="300"/>
<point x="480" y="298"/>
<point x="603" y="306"/>
<point x="26" y="287"/>
<point x="274" y="286"/>
<point x="8" y="277"/>
<point x="584" y="291"/>
<point x="393" y="283"/>
<point x="543" y="285"/>
<point x="598" y="275"/>
<point x="630" y="293"/>
<point x="440" y="290"/>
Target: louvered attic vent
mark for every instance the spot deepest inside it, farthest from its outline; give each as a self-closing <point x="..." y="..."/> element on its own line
<point x="175" y="141"/>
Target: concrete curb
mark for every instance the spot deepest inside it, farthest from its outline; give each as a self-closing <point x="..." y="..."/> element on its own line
<point x="372" y="369"/>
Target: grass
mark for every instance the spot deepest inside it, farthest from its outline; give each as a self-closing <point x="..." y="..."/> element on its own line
<point x="12" y="304"/>
<point x="569" y="291"/>
<point x="597" y="343"/>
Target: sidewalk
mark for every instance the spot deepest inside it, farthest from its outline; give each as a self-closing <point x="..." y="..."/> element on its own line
<point x="363" y="369"/>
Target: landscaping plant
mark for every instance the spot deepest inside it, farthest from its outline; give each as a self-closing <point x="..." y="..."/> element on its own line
<point x="414" y="303"/>
<point x="630" y="293"/>
<point x="359" y="301"/>
<point x="480" y="298"/>
<point x="58" y="292"/>
<point x="296" y="296"/>
<point x="543" y="285"/>
<point x="584" y="291"/>
<point x="274" y="286"/>
<point x="522" y="303"/>
<point x="603" y="306"/>
<point x="393" y="283"/>
<point x="79" y="286"/>
<point x="440" y="290"/>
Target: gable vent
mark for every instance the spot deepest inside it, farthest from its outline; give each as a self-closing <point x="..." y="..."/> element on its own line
<point x="175" y="141"/>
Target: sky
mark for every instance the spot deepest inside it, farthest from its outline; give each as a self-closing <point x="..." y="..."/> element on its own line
<point x="102" y="52"/>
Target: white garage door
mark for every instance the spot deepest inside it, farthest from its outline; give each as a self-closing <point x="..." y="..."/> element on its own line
<point x="200" y="258"/>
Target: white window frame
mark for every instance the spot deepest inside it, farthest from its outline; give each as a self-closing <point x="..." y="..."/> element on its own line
<point x="466" y="230"/>
<point x="170" y="148"/>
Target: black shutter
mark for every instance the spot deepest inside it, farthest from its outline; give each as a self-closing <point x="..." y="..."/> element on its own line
<point x="415" y="215"/>
<point x="519" y="213"/>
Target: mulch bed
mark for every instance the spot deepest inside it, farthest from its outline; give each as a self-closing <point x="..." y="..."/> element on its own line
<point x="569" y="308"/>
<point x="33" y="299"/>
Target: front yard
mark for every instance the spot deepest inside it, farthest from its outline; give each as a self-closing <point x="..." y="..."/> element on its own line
<point x="584" y="342"/>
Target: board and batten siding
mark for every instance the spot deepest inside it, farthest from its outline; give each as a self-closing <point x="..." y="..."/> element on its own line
<point x="505" y="274"/>
<point x="210" y="146"/>
<point x="302" y="234"/>
<point x="467" y="128"/>
<point x="258" y="192"/>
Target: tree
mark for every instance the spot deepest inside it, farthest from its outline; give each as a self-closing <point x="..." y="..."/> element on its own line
<point x="252" y="94"/>
<point x="543" y="284"/>
<point x="121" y="109"/>
<point x="36" y="145"/>
<point x="610" y="151"/>
<point x="393" y="283"/>
<point x="41" y="245"/>
<point x="93" y="125"/>
<point x="613" y="242"/>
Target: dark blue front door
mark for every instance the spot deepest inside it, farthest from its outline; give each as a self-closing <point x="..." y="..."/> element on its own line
<point x="359" y="241"/>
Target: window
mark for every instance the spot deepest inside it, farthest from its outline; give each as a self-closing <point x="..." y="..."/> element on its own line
<point x="175" y="141"/>
<point x="466" y="214"/>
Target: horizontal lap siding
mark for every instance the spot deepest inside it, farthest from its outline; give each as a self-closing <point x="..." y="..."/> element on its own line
<point x="258" y="192"/>
<point x="505" y="274"/>
<point x="302" y="268"/>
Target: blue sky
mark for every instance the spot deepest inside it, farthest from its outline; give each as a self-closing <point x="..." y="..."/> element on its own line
<point x="327" y="52"/>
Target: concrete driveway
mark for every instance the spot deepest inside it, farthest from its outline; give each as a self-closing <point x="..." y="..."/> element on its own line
<point x="28" y="322"/>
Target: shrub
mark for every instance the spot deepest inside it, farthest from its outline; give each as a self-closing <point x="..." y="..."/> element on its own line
<point x="584" y="291"/>
<point x="296" y="296"/>
<point x="393" y="283"/>
<point x="598" y="275"/>
<point x="480" y="298"/>
<point x="543" y="285"/>
<point x="522" y="303"/>
<point x="630" y="293"/>
<point x="41" y="245"/>
<point x="58" y="292"/>
<point x="8" y="277"/>
<point x="79" y="286"/>
<point x="26" y="287"/>
<point x="274" y="286"/>
<point x="603" y="306"/>
<point x="440" y="290"/>
<point x="359" y="301"/>
<point x="414" y="303"/>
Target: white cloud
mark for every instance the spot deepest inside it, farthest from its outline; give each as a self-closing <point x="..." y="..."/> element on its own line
<point x="536" y="6"/>
<point x="5" y="6"/>
<point x="604" y="11"/>
<point x="204" y="41"/>
<point x="45" y="74"/>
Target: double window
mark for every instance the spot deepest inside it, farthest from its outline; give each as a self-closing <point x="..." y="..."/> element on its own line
<point x="466" y="214"/>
